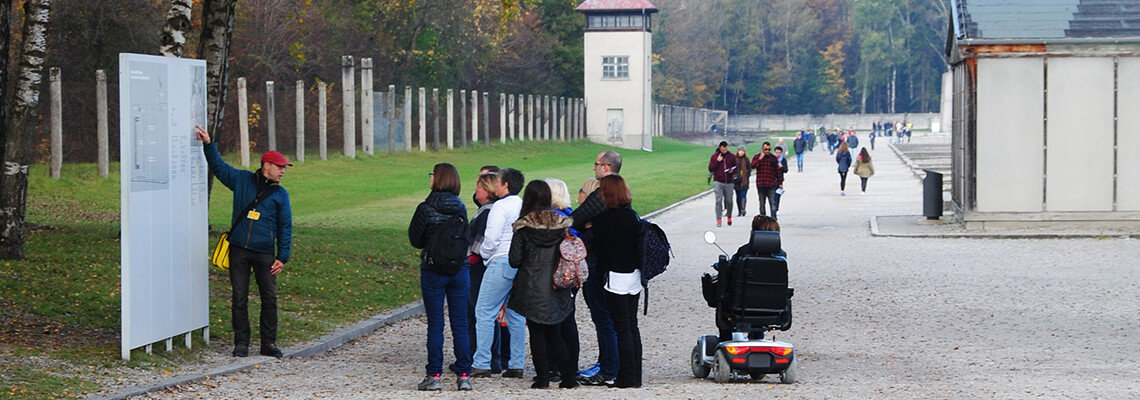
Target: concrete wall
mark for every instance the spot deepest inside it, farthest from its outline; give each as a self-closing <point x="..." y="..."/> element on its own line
<point x="1128" y="140"/>
<point x="605" y="96"/>
<point x="1010" y="163"/>
<point x="759" y="122"/>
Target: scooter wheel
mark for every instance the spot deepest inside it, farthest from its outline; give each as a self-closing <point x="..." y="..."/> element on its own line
<point x="789" y="375"/>
<point x="722" y="372"/>
<point x="700" y="370"/>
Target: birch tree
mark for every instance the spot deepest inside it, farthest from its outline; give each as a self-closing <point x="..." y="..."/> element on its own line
<point x="19" y="127"/>
<point x="174" y="32"/>
<point x="214" y="47"/>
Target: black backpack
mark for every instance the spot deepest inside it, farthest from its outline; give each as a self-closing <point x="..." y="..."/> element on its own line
<point x="655" y="254"/>
<point x="446" y="250"/>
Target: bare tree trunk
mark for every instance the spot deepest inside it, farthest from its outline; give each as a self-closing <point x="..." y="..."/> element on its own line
<point x="174" y="32"/>
<point x="20" y="128"/>
<point x="214" y="47"/>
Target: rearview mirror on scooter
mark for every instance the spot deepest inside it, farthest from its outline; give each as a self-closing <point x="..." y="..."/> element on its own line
<point x="710" y="238"/>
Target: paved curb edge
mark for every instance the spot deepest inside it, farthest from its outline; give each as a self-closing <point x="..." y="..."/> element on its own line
<point x="992" y="235"/>
<point x="319" y="346"/>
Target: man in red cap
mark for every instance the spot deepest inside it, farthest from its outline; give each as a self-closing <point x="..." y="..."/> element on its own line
<point x="260" y="240"/>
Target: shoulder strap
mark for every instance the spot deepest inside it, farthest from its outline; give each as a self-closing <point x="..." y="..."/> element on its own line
<point x="256" y="200"/>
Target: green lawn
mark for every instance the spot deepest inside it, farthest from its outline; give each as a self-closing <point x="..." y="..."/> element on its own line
<point x="351" y="257"/>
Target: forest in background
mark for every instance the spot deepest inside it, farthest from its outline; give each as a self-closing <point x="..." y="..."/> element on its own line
<point x="753" y="56"/>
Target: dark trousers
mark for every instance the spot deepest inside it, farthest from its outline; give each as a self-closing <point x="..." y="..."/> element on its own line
<point x="241" y="262"/>
<point x="741" y="200"/>
<point x="623" y="308"/>
<point x="569" y="330"/>
<point x="863" y="183"/>
<point x="453" y="290"/>
<point x="547" y="349"/>
<point x="767" y="195"/>
<point x="500" y="346"/>
<point x="842" y="180"/>
<point x="603" y="323"/>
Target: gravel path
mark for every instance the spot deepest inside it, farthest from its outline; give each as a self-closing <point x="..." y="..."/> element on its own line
<point x="874" y="317"/>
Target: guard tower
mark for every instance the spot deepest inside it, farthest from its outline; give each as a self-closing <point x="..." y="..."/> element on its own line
<point x="618" y="72"/>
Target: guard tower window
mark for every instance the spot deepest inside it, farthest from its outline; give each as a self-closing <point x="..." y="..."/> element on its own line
<point x="615" y="67"/>
<point x="622" y="21"/>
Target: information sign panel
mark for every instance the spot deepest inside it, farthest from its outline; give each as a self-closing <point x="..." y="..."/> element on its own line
<point x="165" y="242"/>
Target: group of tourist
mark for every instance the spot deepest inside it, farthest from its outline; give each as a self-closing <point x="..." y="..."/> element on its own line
<point x="731" y="173"/>
<point x="895" y="130"/>
<point x="504" y="289"/>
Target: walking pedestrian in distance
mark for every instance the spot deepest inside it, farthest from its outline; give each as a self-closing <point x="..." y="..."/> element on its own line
<point x="722" y="164"/>
<point x="864" y="169"/>
<point x="768" y="178"/>
<point x="783" y="162"/>
<point x="741" y="181"/>
<point x="800" y="145"/>
<point x="843" y="159"/>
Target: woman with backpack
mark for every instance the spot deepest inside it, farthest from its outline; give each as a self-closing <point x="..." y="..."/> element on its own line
<point x="432" y="229"/>
<point x="864" y="168"/>
<point x="534" y="252"/>
<point x="617" y="247"/>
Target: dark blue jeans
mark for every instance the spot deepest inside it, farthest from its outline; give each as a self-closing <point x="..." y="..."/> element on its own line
<point x="455" y="289"/>
<point x="603" y="323"/>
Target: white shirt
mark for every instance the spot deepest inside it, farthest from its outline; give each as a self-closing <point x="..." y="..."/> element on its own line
<point x="497" y="237"/>
<point x="623" y="283"/>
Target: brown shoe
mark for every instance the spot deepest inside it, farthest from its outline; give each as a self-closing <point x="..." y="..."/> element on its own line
<point x="513" y="373"/>
<point x="480" y="373"/>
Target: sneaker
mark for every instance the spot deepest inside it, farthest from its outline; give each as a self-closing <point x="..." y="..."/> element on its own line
<point x="480" y="373"/>
<point x="271" y="350"/>
<point x="513" y="373"/>
<point x="463" y="382"/>
<point x="862" y="193"/>
<point x="595" y="380"/>
<point x="841" y="193"/>
<point x="718" y="223"/>
<point x="730" y="222"/>
<point x="430" y="383"/>
<point x="241" y="350"/>
<point x="588" y="372"/>
<point x="554" y="377"/>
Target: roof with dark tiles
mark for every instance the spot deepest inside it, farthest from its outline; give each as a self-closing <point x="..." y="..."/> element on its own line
<point x="1047" y="19"/>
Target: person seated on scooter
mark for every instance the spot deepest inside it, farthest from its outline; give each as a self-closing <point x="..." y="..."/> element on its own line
<point x="759" y="223"/>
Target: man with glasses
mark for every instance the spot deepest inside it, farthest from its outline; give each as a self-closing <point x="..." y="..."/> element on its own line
<point x="769" y="177"/>
<point x="605" y="371"/>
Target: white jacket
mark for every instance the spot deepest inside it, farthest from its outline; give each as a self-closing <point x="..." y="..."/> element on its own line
<point x="497" y="237"/>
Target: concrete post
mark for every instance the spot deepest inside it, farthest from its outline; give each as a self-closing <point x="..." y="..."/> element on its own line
<point x="56" y="123"/>
<point x="367" y="114"/>
<point x="546" y="114"/>
<point x="270" y="116"/>
<point x="450" y="119"/>
<point x="423" y="119"/>
<point x="511" y="116"/>
<point x="562" y="118"/>
<point x="503" y="117"/>
<point x="390" y="111"/>
<point x="474" y="116"/>
<point x="348" y="94"/>
<point x="323" y="119"/>
<point x="407" y="119"/>
<point x="530" y="117"/>
<point x="300" y="96"/>
<point x="103" y="158"/>
<point x="486" y="121"/>
<point x="243" y="122"/>
<point x="435" y="119"/>
<point x="463" y="117"/>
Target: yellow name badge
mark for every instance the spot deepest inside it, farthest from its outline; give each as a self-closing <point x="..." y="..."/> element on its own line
<point x="254" y="215"/>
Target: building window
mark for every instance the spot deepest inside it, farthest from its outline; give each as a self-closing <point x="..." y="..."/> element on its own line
<point x="618" y="22"/>
<point x="615" y="67"/>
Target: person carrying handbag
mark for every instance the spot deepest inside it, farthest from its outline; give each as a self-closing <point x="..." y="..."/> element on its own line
<point x="260" y="241"/>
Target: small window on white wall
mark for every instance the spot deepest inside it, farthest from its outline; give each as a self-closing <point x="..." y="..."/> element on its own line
<point x="615" y="67"/>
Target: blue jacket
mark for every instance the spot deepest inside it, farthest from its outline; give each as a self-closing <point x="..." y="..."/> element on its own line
<point x="274" y="226"/>
<point x="844" y="161"/>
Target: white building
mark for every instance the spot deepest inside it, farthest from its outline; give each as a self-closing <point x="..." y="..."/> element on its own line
<point x="1045" y="97"/>
<point x="618" y="72"/>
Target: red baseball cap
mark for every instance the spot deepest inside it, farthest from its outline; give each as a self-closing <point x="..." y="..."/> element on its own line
<point x="275" y="158"/>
